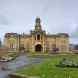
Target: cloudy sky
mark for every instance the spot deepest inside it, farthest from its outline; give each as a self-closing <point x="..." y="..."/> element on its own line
<point x="56" y="16"/>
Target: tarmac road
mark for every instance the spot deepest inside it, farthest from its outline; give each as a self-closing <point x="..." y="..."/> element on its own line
<point x="10" y="67"/>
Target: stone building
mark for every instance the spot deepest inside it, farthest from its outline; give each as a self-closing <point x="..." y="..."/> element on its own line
<point x="37" y="40"/>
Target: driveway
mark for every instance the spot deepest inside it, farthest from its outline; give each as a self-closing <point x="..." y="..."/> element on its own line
<point x="18" y="62"/>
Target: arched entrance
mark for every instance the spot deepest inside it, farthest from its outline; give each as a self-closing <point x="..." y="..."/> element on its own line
<point x="38" y="48"/>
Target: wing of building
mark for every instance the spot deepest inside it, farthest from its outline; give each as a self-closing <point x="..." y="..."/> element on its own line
<point x="37" y="40"/>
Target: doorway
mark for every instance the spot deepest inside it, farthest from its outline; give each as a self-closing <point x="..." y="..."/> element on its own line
<point x="38" y="48"/>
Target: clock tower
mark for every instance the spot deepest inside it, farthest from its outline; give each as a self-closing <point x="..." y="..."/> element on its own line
<point x="38" y="24"/>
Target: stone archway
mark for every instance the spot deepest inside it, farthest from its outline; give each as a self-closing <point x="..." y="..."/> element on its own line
<point x="38" y="48"/>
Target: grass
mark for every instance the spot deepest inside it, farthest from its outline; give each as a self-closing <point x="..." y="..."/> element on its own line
<point x="48" y="69"/>
<point x="38" y="54"/>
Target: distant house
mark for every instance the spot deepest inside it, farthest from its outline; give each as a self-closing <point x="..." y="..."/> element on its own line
<point x="74" y="48"/>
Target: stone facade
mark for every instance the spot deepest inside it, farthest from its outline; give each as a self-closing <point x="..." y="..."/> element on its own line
<point x="3" y="51"/>
<point x="37" y="40"/>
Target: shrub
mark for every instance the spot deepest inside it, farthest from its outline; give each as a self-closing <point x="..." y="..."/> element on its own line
<point x="68" y="63"/>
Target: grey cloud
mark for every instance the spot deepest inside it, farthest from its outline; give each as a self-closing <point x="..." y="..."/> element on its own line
<point x="3" y="20"/>
<point x="56" y="15"/>
<point x="74" y="34"/>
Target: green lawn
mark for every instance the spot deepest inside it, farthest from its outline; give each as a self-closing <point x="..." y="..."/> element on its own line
<point x="48" y="69"/>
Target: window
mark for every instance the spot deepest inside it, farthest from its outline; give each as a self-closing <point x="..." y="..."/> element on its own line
<point x="38" y="37"/>
<point x="11" y="45"/>
<point x="21" y="46"/>
<point x="35" y="37"/>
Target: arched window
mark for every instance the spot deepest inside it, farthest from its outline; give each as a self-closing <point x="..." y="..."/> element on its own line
<point x="38" y="37"/>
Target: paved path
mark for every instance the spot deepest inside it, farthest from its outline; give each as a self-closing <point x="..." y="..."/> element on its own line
<point x="18" y="62"/>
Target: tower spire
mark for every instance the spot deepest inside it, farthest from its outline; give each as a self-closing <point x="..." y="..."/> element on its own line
<point x="37" y="24"/>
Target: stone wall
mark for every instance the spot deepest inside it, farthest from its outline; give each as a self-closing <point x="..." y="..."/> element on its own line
<point x="3" y="51"/>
